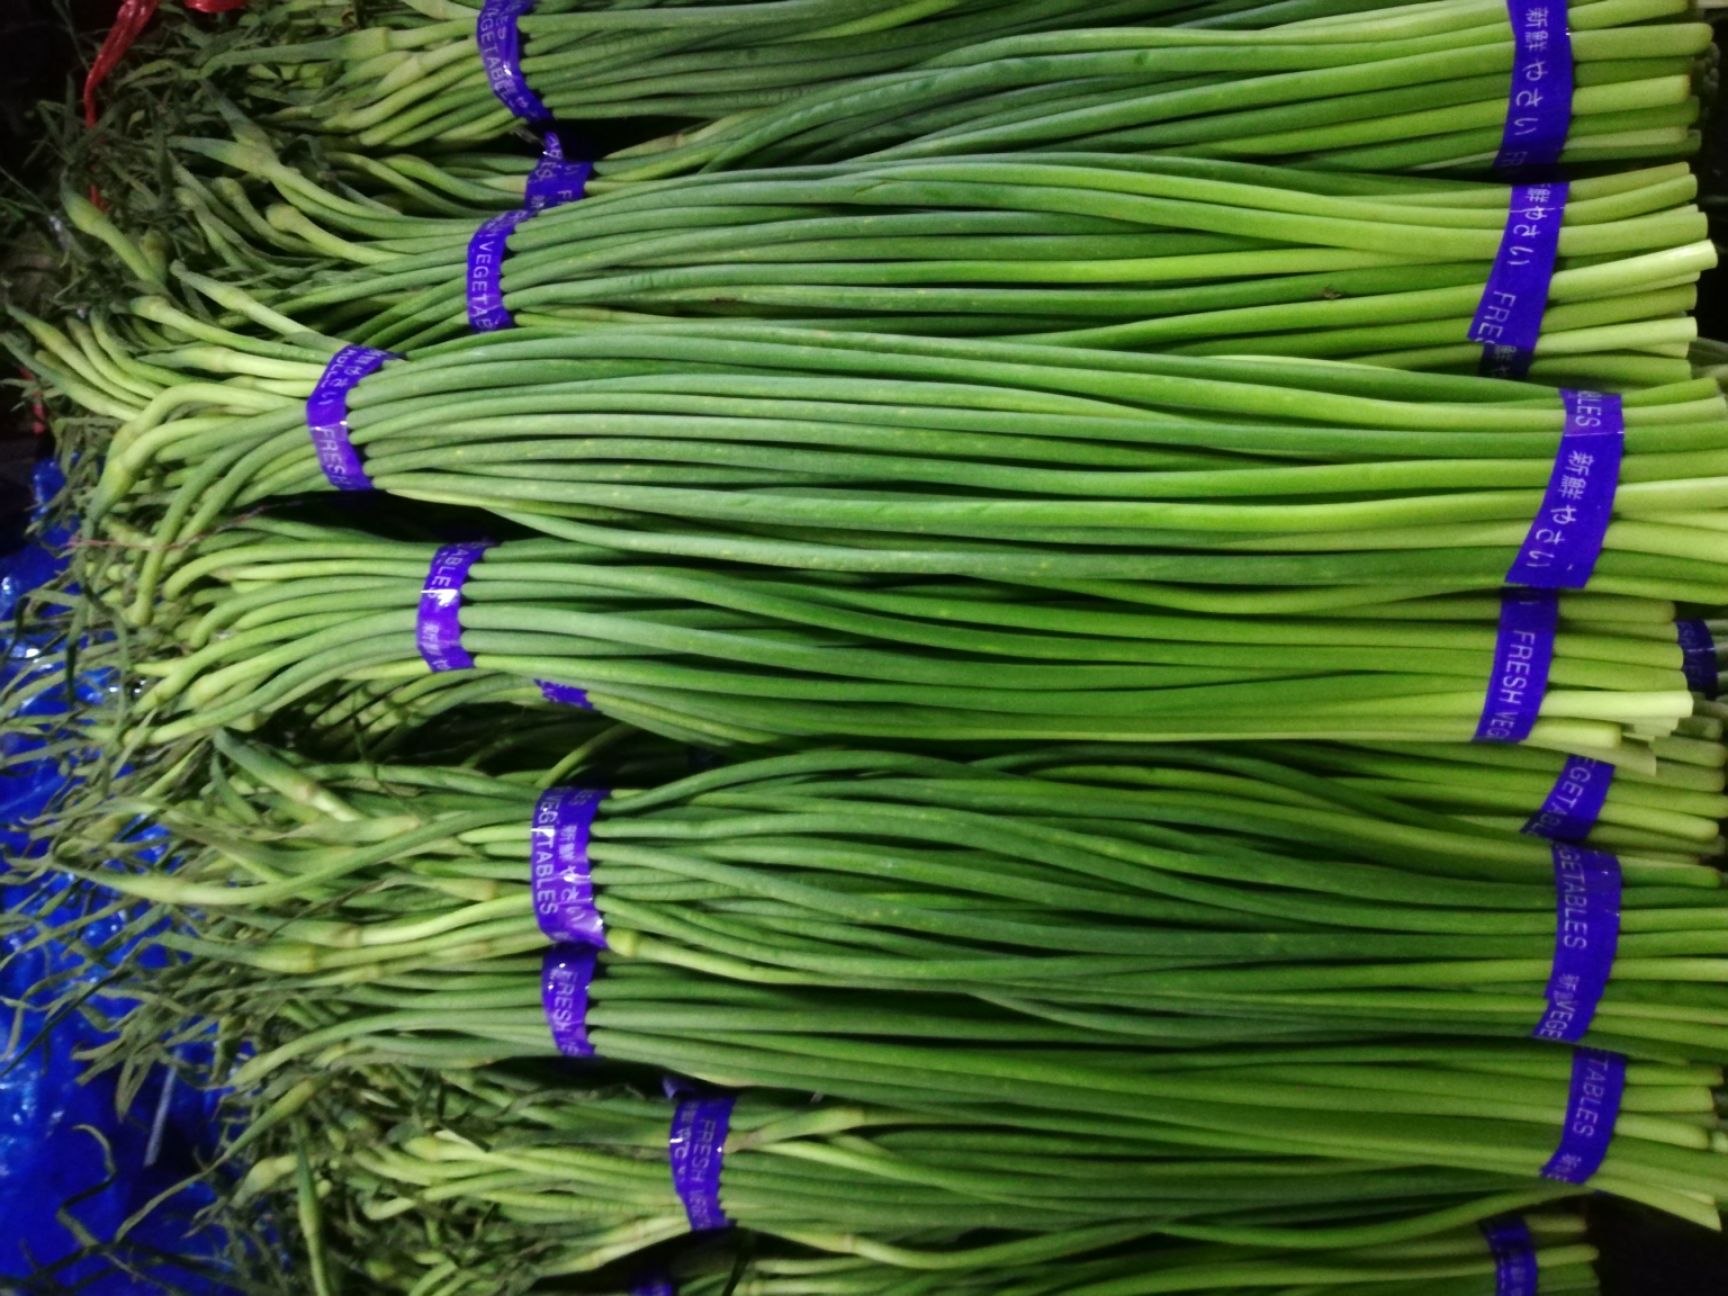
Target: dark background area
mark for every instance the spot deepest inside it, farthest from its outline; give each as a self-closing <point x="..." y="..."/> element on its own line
<point x="1712" y="167"/>
<point x="1644" y="1253"/>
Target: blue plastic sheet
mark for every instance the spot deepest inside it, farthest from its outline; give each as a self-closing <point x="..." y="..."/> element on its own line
<point x="48" y="1155"/>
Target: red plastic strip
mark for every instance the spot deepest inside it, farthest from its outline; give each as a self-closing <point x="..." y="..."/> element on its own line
<point x="129" y="23"/>
<point x="39" y="411"/>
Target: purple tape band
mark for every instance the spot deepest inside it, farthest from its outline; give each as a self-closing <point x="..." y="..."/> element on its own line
<point x="565" y="975"/>
<point x="486" y="252"/>
<point x="1566" y="535"/>
<point x="565" y="695"/>
<point x="500" y="44"/>
<point x="327" y="415"/>
<point x="1509" y="318"/>
<point x="438" y="627"/>
<point x="1586" y="934"/>
<point x="1574" y="804"/>
<point x="1523" y="652"/>
<point x="1514" y="1252"/>
<point x="1592" y="1107"/>
<point x="563" y="889"/>
<point x="1698" y="659"/>
<point x="655" y="1286"/>
<point x="696" y="1146"/>
<point x="1539" y="98"/>
<point x="555" y="180"/>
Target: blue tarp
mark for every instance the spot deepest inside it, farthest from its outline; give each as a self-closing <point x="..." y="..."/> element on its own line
<point x="48" y="1157"/>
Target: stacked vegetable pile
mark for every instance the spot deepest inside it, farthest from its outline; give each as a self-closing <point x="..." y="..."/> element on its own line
<point x="1086" y="628"/>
